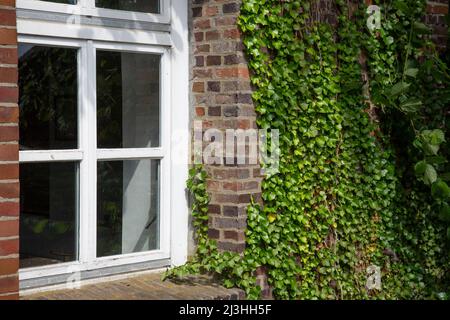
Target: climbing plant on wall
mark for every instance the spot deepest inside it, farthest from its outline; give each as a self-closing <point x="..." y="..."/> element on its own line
<point x="362" y="175"/>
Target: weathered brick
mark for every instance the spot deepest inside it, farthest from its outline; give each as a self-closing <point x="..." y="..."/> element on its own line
<point x="7" y="17"/>
<point x="9" y="152"/>
<point x="8" y="36"/>
<point x="9" y="115"/>
<point x="8" y="208"/>
<point x="9" y="266"/>
<point x="9" y="190"/>
<point x="9" y="171"/>
<point x="9" y="94"/>
<point x="9" y="228"/>
<point x="9" y="133"/>
<point x="9" y="284"/>
<point x="9" y="247"/>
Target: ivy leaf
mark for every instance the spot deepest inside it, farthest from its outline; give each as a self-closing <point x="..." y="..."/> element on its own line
<point x="440" y="190"/>
<point x="444" y="212"/>
<point x="412" y="72"/>
<point x="420" y="168"/>
<point x="425" y="172"/>
<point x="434" y="137"/>
<point x="272" y="217"/>
<point x="421" y="28"/>
<point x="398" y="89"/>
<point x="411" y="105"/>
<point x="430" y="175"/>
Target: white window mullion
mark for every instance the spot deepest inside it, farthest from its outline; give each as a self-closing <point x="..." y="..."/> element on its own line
<point x="50" y="155"/>
<point x="129" y="154"/>
<point x="88" y="176"/>
<point x="87" y="4"/>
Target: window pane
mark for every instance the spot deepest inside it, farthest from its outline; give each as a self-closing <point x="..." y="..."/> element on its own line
<point x="48" y="97"/>
<point x="127" y="100"/>
<point x="48" y="213"/>
<point x="150" y="6"/>
<point x="127" y="207"/>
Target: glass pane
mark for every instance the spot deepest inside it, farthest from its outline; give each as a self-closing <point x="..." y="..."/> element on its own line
<point x="127" y="207"/>
<point x="127" y="100"/>
<point x="149" y="6"/>
<point x="48" y="97"/>
<point x="48" y="213"/>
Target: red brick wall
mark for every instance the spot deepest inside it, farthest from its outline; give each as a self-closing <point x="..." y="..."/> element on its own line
<point x="221" y="98"/>
<point x="436" y="18"/>
<point x="9" y="153"/>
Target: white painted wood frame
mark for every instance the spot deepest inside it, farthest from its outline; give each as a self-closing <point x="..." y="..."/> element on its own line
<point x="174" y="111"/>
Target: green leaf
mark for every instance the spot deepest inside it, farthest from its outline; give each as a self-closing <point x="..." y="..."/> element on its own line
<point x="420" y="168"/>
<point x="412" y="72"/>
<point x="433" y="137"/>
<point x="421" y="28"/>
<point x="440" y="190"/>
<point x="398" y="89"/>
<point x="411" y="105"/>
<point x="444" y="212"/>
<point x="430" y="175"/>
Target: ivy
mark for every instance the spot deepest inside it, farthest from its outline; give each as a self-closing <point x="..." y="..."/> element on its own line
<point x="362" y="120"/>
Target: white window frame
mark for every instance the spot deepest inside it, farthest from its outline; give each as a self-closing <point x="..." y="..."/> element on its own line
<point x="174" y="112"/>
<point x="87" y="8"/>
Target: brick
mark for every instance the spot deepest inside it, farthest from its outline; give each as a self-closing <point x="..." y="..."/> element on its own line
<point x="232" y="34"/>
<point x="199" y="61"/>
<point x="8" y="208"/>
<point x="9" y="284"/>
<point x="230" y="8"/>
<point x="230" y="211"/>
<point x="214" y="111"/>
<point x="12" y="296"/>
<point x="197" y="12"/>
<point x="233" y="72"/>
<point x="9" y="115"/>
<point x="199" y="36"/>
<point x="9" y="152"/>
<point x="9" y="266"/>
<point x="226" y="21"/>
<point x="230" y="246"/>
<point x="9" y="228"/>
<point x="202" y="48"/>
<point x="7" y="17"/>
<point x="9" y="94"/>
<point x="8" y="56"/>
<point x="9" y="190"/>
<point x="230" y="111"/>
<point x="230" y="223"/>
<point x="198" y="87"/>
<point x="202" y="24"/>
<point x="214" y="208"/>
<point x="211" y="11"/>
<point x="9" y="247"/>
<point x="234" y="235"/>
<point x="437" y="8"/>
<point x="8" y="3"/>
<point x="213" y="233"/>
<point x="212" y="35"/>
<point x="200" y="111"/>
<point x="213" y="60"/>
<point x="9" y="133"/>
<point x="213" y="86"/>
<point x="9" y="171"/>
<point x="8" y="36"/>
<point x="8" y="75"/>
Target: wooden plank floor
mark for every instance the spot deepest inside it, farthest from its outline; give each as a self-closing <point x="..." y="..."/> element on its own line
<point x="143" y="287"/>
